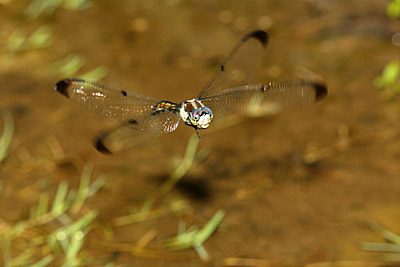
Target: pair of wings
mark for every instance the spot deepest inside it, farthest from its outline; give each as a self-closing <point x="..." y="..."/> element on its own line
<point x="228" y="91"/>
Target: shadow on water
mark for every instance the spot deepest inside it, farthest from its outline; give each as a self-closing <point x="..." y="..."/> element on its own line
<point x="195" y="188"/>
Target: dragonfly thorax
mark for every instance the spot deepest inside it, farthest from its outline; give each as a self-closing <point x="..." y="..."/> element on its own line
<point x="195" y="114"/>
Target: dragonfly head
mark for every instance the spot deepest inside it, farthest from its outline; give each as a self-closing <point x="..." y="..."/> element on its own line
<point x="201" y="117"/>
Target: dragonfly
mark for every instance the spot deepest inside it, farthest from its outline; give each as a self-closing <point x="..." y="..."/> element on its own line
<point x="228" y="91"/>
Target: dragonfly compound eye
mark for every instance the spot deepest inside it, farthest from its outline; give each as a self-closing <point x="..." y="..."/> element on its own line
<point x="195" y="116"/>
<point x="206" y="110"/>
<point x="205" y="118"/>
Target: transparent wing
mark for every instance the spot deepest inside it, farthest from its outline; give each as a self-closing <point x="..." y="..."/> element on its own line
<point x="126" y="109"/>
<point x="116" y="139"/>
<point x="239" y="68"/>
<point x="263" y="99"/>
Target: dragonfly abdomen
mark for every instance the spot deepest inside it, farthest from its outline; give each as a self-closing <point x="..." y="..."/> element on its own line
<point x="165" y="106"/>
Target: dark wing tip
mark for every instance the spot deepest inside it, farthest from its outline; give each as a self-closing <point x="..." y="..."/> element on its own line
<point x="321" y="91"/>
<point x="259" y="35"/>
<point x="99" y="144"/>
<point x="62" y="86"/>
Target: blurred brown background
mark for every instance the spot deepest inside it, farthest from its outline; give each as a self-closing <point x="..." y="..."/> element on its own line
<point x="294" y="191"/>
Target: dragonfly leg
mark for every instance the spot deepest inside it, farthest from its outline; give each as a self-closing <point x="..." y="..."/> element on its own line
<point x="198" y="135"/>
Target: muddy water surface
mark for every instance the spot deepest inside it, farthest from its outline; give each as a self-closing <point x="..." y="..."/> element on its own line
<point x="277" y="207"/>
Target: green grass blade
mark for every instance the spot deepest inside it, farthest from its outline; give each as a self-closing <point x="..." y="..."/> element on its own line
<point x="183" y="167"/>
<point x="80" y="224"/>
<point x="182" y="241"/>
<point x="202" y="252"/>
<point x="194" y="238"/>
<point x="97" y="185"/>
<point x="83" y="190"/>
<point x="59" y="204"/>
<point x="380" y="247"/>
<point x="392" y="237"/>
<point x="17" y="228"/>
<point x="68" y="66"/>
<point x="43" y="262"/>
<point x="15" y="41"/>
<point x="6" y="251"/>
<point x="188" y="159"/>
<point x="209" y="228"/>
<point x="23" y="259"/>
<point x="8" y="131"/>
<point x="147" y="205"/>
<point x="389" y="80"/>
<point x="71" y="256"/>
<point x="43" y="204"/>
<point x="41" y="7"/>
<point x="77" y="4"/>
<point x="41" y="38"/>
<point x="95" y="74"/>
<point x="393" y="9"/>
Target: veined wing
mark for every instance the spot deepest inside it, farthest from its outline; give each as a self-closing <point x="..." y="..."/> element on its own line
<point x="240" y="66"/>
<point x="263" y="99"/>
<point x="126" y="109"/>
<point x="118" y="138"/>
